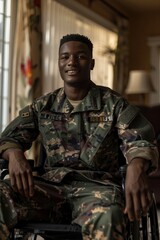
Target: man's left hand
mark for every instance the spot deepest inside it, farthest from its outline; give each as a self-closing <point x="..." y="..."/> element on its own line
<point x="137" y="191"/>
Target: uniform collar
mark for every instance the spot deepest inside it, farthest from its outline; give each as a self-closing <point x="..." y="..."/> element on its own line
<point x="92" y="102"/>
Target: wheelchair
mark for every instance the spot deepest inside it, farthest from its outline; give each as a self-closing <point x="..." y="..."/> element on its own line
<point x="145" y="229"/>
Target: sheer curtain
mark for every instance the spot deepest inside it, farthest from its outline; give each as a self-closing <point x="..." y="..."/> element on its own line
<point x="58" y="20"/>
<point x="26" y="67"/>
<point x="122" y="55"/>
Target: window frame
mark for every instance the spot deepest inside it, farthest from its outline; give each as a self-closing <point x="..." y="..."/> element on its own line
<point x="8" y="14"/>
<point x="154" y="44"/>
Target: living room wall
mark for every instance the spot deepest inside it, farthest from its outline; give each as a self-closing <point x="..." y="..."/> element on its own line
<point x="142" y="26"/>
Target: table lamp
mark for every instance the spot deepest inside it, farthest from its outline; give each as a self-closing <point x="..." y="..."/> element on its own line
<point x="139" y="87"/>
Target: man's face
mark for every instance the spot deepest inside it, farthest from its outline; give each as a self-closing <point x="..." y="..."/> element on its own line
<point x="75" y="63"/>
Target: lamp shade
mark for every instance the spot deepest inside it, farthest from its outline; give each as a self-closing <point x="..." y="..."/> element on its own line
<point x="139" y="83"/>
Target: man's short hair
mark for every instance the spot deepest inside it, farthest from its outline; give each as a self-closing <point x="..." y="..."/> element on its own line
<point x="78" y="38"/>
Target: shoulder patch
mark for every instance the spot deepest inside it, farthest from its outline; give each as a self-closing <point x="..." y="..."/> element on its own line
<point x="128" y="115"/>
<point x="26" y="114"/>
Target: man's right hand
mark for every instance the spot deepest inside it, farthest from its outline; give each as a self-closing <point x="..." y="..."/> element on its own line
<point x="20" y="172"/>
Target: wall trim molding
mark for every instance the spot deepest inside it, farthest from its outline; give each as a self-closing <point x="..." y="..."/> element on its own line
<point x="86" y="12"/>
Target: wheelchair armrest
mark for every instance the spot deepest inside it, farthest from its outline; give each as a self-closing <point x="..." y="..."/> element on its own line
<point x="123" y="170"/>
<point x="3" y="164"/>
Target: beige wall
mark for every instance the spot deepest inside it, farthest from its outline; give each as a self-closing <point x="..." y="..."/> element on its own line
<point x="142" y="26"/>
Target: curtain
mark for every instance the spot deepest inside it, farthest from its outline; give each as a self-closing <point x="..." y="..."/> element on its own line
<point x="121" y="66"/>
<point x="26" y="72"/>
<point x="27" y="57"/>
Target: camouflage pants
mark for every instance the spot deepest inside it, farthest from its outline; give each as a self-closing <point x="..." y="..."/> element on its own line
<point x="97" y="208"/>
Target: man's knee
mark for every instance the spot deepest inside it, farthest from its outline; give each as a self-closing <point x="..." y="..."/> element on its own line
<point x="8" y="214"/>
<point x="105" y="223"/>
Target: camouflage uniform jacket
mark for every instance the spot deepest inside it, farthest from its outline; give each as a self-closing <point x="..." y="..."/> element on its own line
<point x="84" y="139"/>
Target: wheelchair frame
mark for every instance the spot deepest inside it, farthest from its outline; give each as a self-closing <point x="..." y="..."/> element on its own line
<point x="146" y="229"/>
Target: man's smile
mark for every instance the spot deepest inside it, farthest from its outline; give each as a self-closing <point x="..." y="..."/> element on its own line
<point x="72" y="72"/>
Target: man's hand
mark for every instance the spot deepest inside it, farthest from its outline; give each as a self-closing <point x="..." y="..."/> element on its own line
<point x="20" y="172"/>
<point x="137" y="191"/>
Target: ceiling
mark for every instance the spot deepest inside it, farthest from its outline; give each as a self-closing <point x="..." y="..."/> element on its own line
<point x="139" y="5"/>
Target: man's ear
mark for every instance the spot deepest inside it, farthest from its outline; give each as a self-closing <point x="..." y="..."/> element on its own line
<point x="92" y="64"/>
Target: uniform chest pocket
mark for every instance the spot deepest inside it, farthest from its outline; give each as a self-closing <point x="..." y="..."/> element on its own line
<point x="95" y="122"/>
<point x="51" y="125"/>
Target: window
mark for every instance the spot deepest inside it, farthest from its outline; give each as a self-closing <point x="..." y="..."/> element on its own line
<point x="7" y="22"/>
<point x="59" y="20"/>
<point x="5" y="34"/>
<point x="154" y="43"/>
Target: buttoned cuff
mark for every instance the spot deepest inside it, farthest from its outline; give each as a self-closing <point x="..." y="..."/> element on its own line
<point x="150" y="154"/>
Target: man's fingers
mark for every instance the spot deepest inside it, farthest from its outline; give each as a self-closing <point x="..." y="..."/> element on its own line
<point x="137" y="206"/>
<point x="13" y="183"/>
<point x="129" y="209"/>
<point x="25" y="185"/>
<point x="19" y="183"/>
<point x="27" y="182"/>
<point x="146" y="201"/>
<point x="31" y="185"/>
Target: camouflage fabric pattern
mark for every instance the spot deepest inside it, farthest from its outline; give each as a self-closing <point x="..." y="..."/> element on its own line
<point x="86" y="137"/>
<point x="82" y="146"/>
<point x="92" y="206"/>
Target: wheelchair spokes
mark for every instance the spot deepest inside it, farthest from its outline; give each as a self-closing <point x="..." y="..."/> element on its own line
<point x="147" y="228"/>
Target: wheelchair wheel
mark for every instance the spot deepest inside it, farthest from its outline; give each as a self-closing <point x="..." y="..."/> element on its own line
<point x="18" y="234"/>
<point x="133" y="231"/>
<point x="154" y="228"/>
<point x="147" y="228"/>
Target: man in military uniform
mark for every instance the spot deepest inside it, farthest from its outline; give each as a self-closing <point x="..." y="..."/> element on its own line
<point x="82" y="127"/>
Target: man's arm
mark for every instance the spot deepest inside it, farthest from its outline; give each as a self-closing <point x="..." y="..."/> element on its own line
<point x="141" y="154"/>
<point x="14" y="141"/>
